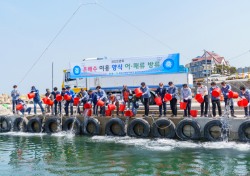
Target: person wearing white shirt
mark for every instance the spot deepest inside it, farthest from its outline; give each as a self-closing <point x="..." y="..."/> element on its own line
<point x="186" y="95"/>
<point x="204" y="92"/>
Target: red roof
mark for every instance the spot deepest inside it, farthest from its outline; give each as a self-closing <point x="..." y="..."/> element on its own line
<point x="209" y="56"/>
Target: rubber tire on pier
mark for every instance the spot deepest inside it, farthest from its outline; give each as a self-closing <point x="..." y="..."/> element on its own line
<point x="241" y="131"/>
<point x="16" y="124"/>
<point x="143" y="123"/>
<point x="165" y="123"/>
<point x="108" y="128"/>
<point x="32" y="121"/>
<point x="8" y="123"/>
<point x="190" y="122"/>
<point x="50" y="121"/>
<point x="207" y="134"/>
<point x="69" y="121"/>
<point x="93" y="121"/>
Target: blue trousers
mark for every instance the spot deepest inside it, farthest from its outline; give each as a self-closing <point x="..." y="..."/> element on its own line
<point x="40" y="105"/>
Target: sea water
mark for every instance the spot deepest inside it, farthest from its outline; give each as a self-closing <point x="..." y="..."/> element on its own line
<point x="67" y="154"/>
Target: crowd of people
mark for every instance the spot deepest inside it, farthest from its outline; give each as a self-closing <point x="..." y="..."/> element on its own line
<point x="131" y="101"/>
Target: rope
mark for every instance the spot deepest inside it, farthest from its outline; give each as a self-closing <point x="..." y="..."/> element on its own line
<point x="134" y="26"/>
<point x="52" y="41"/>
<point x="162" y="128"/>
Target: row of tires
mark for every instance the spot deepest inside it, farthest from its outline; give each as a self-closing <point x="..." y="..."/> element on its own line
<point x="187" y="129"/>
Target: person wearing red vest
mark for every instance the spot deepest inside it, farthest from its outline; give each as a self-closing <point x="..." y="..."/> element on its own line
<point x="126" y="93"/>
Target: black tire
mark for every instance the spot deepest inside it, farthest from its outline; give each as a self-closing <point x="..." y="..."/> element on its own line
<point x="109" y="128"/>
<point x="164" y="124"/>
<point x="19" y="124"/>
<point x="145" y="126"/>
<point x="91" y="121"/>
<point x="242" y="131"/>
<point x="5" y="124"/>
<point x="51" y="125"/>
<point x="67" y="125"/>
<point x="207" y="130"/>
<point x="188" y="122"/>
<point x="35" y="125"/>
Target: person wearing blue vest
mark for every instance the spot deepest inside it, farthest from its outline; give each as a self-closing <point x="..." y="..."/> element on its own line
<point x="225" y="88"/>
<point x="173" y="90"/>
<point x="215" y="100"/>
<point x="15" y="96"/>
<point x="146" y="96"/>
<point x="161" y="91"/>
<point x="186" y="95"/>
<point x="70" y="102"/>
<point x="101" y="95"/>
<point x="36" y="99"/>
<point x="245" y="93"/>
<point x="55" y="93"/>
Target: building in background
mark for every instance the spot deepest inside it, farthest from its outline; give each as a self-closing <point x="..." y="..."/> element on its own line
<point x="216" y="64"/>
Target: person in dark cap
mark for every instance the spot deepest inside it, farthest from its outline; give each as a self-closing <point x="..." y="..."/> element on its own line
<point x="37" y="99"/>
<point x="146" y="96"/>
<point x="101" y="95"/>
<point x="15" y="96"/>
<point x="173" y="90"/>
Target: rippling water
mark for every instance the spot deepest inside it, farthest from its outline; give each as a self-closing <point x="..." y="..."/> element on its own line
<point x="65" y="154"/>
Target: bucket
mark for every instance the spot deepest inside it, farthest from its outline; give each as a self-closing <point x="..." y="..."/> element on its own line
<point x="87" y="106"/>
<point x="67" y="97"/>
<point x="49" y="102"/>
<point x="199" y="98"/>
<point x="31" y="95"/>
<point x="183" y="105"/>
<point x="111" y="107"/>
<point x="138" y="92"/>
<point x="45" y="100"/>
<point x="76" y="101"/>
<point x="232" y="94"/>
<point x="167" y="97"/>
<point x="194" y="113"/>
<point x="128" y="113"/>
<point x="100" y="103"/>
<point x="59" y="97"/>
<point x="242" y="103"/>
<point x="216" y="92"/>
<point x="158" y="101"/>
<point x="108" y="112"/>
<point x="19" y="107"/>
<point x="89" y="113"/>
<point x="122" y="107"/>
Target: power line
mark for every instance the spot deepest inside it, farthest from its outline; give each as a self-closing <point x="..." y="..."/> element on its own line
<point x="52" y="41"/>
<point x="134" y="26"/>
<point x="242" y="54"/>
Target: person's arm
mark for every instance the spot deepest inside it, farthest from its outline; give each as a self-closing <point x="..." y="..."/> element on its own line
<point x="103" y="95"/>
<point x="182" y="94"/>
<point x="189" y="94"/>
<point x="157" y="92"/>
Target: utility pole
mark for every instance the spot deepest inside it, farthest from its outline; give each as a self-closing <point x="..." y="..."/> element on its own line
<point x="209" y="112"/>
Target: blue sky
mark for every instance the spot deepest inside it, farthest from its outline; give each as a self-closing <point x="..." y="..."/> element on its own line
<point x="184" y="26"/>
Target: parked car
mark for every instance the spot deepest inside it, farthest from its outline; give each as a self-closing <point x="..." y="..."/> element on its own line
<point x="231" y="77"/>
<point x="216" y="77"/>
